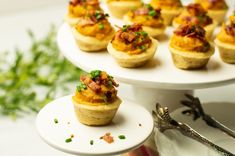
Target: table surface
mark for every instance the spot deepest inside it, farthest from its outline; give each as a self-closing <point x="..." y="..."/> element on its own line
<point x="20" y="137"/>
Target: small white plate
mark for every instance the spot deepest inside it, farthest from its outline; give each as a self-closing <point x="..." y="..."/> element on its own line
<point x="171" y="142"/>
<point x="131" y="120"/>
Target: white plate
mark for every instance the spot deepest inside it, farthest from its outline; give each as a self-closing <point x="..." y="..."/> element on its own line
<point x="171" y="142"/>
<point x="160" y="72"/>
<point x="126" y="122"/>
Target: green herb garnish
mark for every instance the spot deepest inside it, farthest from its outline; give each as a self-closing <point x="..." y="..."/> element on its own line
<point x="149" y="7"/>
<point x="122" y="137"/>
<point x="142" y="47"/>
<point x="95" y="73"/>
<point x="101" y="26"/>
<point x="81" y="86"/>
<point x="56" y="121"/>
<point x="125" y="27"/>
<point x="98" y="15"/>
<point x="44" y="68"/>
<point x="68" y="140"/>
<point x="91" y="142"/>
<point x="152" y="13"/>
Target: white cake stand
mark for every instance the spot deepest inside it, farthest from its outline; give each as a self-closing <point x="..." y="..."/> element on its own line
<point x="158" y="81"/>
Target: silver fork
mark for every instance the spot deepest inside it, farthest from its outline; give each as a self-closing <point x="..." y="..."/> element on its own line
<point x="196" y="109"/>
<point x="163" y="121"/>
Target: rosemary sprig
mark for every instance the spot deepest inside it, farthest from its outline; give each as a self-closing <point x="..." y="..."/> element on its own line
<point x="24" y="79"/>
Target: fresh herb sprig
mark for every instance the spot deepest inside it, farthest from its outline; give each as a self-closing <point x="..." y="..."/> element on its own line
<point x="41" y="69"/>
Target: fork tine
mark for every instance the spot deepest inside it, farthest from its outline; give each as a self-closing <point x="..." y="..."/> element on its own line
<point x="189" y="96"/>
<point x="186" y="103"/>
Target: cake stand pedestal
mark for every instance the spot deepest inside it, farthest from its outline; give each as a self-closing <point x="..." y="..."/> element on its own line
<point x="158" y="81"/>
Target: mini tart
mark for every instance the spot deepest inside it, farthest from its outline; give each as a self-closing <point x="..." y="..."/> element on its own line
<point x="93" y="33"/>
<point x="225" y="41"/>
<point x="189" y="47"/>
<point x="169" y="9"/>
<point x="95" y="100"/>
<point x="150" y="18"/>
<point x="195" y="14"/>
<point x="118" y="8"/>
<point x="216" y="9"/>
<point x="79" y="8"/>
<point x="124" y="49"/>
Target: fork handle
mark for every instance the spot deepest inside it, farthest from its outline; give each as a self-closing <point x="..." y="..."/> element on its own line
<point x="189" y="132"/>
<point x="214" y="123"/>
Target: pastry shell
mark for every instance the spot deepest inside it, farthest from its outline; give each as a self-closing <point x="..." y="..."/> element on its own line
<point x="168" y="15"/>
<point x="95" y="115"/>
<point x="91" y="44"/>
<point x="119" y="8"/>
<point x="72" y="21"/>
<point x="154" y="32"/>
<point x="190" y="60"/>
<point x="217" y="15"/>
<point x="227" y="51"/>
<point x="135" y="60"/>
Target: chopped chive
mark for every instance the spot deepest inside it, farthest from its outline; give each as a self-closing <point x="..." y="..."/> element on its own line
<point x="101" y="26"/>
<point x="56" y="121"/>
<point x="125" y="27"/>
<point x="152" y="13"/>
<point x="149" y="7"/>
<point x="81" y="86"/>
<point x="95" y="73"/>
<point x="106" y="14"/>
<point x="142" y="47"/>
<point x="68" y="140"/>
<point x="122" y="137"/>
<point x="91" y="142"/>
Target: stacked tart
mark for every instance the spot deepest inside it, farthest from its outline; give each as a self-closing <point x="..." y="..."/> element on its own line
<point x="79" y="8"/>
<point x="93" y="31"/>
<point x="132" y="46"/>
<point x="189" y="47"/>
<point x="169" y="9"/>
<point x="95" y="100"/>
<point x="225" y="41"/>
<point x="195" y="14"/>
<point x="216" y="9"/>
<point x="150" y="19"/>
<point x="118" y="8"/>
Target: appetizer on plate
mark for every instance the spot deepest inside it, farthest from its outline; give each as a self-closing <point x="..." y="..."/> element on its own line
<point x="118" y="8"/>
<point x="216" y="9"/>
<point x="132" y="46"/>
<point x="79" y="8"/>
<point x="169" y="9"/>
<point x="95" y="100"/>
<point x="93" y="32"/>
<point x="195" y="14"/>
<point x="150" y="18"/>
<point x="225" y="41"/>
<point x="189" y="47"/>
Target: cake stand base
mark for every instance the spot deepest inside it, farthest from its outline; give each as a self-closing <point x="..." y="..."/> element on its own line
<point x="148" y="97"/>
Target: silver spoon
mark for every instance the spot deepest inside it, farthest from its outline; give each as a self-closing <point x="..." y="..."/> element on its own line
<point x="163" y="121"/>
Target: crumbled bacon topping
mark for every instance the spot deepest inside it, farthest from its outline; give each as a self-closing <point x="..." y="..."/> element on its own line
<point x="108" y="138"/>
<point x="83" y="2"/>
<point x="196" y="9"/>
<point x="230" y="28"/>
<point x="92" y="17"/>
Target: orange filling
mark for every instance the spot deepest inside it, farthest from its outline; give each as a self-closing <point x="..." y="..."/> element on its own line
<point x="227" y="32"/>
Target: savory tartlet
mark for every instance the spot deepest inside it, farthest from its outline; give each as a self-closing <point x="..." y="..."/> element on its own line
<point x="118" y="8"/>
<point x="169" y="9"/>
<point x="131" y="46"/>
<point x="79" y="8"/>
<point x="225" y="41"/>
<point x="216" y="9"/>
<point x="150" y="19"/>
<point x="93" y="32"/>
<point x="195" y="14"/>
<point x="95" y="100"/>
<point x="189" y="47"/>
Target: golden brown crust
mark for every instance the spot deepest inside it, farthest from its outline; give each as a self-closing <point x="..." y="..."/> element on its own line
<point x="166" y="4"/>
<point x="213" y="4"/>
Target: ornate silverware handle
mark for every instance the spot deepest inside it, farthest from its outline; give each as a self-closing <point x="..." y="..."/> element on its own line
<point x="187" y="131"/>
<point x="220" y="126"/>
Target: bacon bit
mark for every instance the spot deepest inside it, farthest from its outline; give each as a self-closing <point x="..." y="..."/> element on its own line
<point x="230" y="30"/>
<point x="84" y="22"/>
<point x="92" y="2"/>
<point x="84" y="2"/>
<point x="108" y="138"/>
<point x="196" y="9"/>
<point x="128" y="36"/>
<point x="71" y="136"/>
<point x="90" y="83"/>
